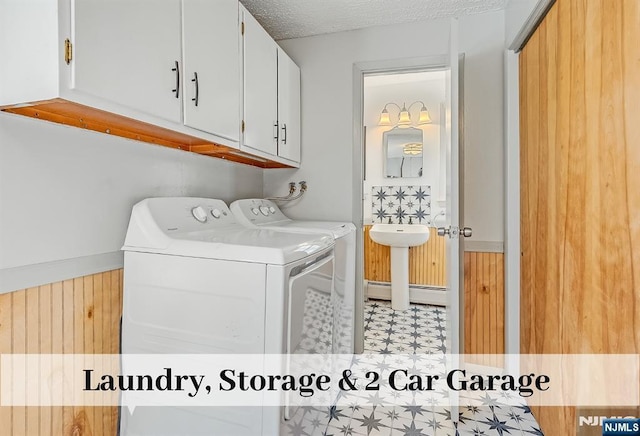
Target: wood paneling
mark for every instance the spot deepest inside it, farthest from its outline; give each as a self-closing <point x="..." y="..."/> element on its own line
<point x="80" y="316"/>
<point x="484" y="305"/>
<point x="73" y="114"/>
<point x="580" y="172"/>
<point x="426" y="262"/>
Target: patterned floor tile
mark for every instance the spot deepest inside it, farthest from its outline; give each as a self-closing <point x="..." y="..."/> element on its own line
<point x="388" y="334"/>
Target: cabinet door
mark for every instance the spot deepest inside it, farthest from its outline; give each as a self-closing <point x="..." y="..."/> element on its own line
<point x="260" y="88"/>
<point x="288" y="107"/>
<point x="211" y="35"/>
<point x="129" y="52"/>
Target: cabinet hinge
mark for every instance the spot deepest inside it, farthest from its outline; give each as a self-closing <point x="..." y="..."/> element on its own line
<point x="68" y="51"/>
<point x="242" y="125"/>
<point x="242" y="28"/>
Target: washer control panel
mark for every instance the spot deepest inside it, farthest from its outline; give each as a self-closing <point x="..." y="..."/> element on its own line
<point x="188" y="214"/>
<point x="257" y="211"/>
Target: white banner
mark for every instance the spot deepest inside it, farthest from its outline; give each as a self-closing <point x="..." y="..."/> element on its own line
<point x="318" y="380"/>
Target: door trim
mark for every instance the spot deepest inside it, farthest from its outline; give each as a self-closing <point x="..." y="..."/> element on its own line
<point x="359" y="70"/>
<point x="531" y="24"/>
<point x="512" y="207"/>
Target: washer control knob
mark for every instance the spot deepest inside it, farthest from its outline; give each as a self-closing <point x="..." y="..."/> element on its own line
<point x="216" y="213"/>
<point x="199" y="214"/>
<point x="272" y="209"/>
<point x="254" y="210"/>
<point x="264" y="210"/>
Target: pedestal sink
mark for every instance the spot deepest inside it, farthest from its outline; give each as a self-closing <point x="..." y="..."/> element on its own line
<point x="399" y="237"/>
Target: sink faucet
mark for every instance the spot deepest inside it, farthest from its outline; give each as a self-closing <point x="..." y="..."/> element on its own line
<point x="410" y="220"/>
<point x="390" y="220"/>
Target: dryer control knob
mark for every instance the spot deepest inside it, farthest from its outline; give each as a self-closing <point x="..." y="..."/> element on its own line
<point x="199" y="214"/>
<point x="216" y="213"/>
<point x="264" y="210"/>
<point x="272" y="209"/>
<point x="254" y="210"/>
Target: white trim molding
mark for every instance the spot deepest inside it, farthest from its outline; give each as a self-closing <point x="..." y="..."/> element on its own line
<point x="29" y="276"/>
<point x="432" y="295"/>
<point x="512" y="204"/>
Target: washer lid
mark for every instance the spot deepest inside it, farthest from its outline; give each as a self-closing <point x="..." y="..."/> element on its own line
<point x="256" y="212"/>
<point x="182" y="226"/>
<point x="337" y="229"/>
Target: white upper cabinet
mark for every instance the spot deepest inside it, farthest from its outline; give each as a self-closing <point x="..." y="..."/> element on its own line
<point x="212" y="80"/>
<point x="288" y="107"/>
<point x="129" y="53"/>
<point x="178" y="73"/>
<point x="260" y="88"/>
<point x="271" y="95"/>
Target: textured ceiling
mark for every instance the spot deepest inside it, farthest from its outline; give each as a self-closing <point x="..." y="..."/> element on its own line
<point x="286" y="19"/>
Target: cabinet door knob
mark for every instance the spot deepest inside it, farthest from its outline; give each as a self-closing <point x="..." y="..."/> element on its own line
<point x="195" y="80"/>
<point x="275" y="135"/>
<point x="284" y="133"/>
<point x="176" y="90"/>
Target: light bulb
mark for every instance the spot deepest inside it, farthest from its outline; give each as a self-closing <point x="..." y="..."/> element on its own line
<point x="405" y="118"/>
<point x="384" y="118"/>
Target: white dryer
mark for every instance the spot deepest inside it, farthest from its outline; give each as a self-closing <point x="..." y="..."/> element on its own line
<point x="265" y="214"/>
<point x="196" y="281"/>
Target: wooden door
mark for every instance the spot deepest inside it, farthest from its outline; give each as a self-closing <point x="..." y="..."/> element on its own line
<point x="580" y="179"/>
<point x="211" y="34"/>
<point x="129" y="54"/>
<point x="288" y="107"/>
<point x="260" y="88"/>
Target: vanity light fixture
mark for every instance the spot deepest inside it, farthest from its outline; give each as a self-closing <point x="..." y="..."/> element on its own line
<point x="404" y="116"/>
<point x="412" y="149"/>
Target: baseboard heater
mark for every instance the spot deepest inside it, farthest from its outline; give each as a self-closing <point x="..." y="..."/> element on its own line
<point x="419" y="294"/>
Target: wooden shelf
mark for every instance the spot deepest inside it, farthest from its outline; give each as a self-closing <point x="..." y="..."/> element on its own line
<point x="73" y="114"/>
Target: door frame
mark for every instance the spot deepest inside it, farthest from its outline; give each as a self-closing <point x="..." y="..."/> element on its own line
<point x="360" y="69"/>
<point x="512" y="208"/>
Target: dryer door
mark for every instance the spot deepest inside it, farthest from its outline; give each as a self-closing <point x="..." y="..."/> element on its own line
<point x="310" y="308"/>
<point x="309" y="327"/>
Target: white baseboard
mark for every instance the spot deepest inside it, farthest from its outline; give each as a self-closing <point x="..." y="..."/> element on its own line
<point x="417" y="294"/>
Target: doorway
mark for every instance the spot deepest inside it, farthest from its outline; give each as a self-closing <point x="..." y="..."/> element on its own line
<point x="404" y="178"/>
<point x="381" y="165"/>
<point x="404" y="183"/>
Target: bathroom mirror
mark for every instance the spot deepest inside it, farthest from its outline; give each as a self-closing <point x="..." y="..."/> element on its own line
<point x="402" y="148"/>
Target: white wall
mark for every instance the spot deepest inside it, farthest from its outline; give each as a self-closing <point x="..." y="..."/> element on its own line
<point x="326" y="62"/>
<point x="516" y="14"/>
<point x="67" y="193"/>
<point x="426" y="88"/>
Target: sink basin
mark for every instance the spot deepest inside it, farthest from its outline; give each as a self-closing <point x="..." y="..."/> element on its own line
<point x="400" y="235"/>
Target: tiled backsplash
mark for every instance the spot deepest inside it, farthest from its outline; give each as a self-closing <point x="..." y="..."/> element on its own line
<point x="401" y="203"/>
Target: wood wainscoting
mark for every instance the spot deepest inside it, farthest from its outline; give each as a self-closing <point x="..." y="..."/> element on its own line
<point x="483" y="286"/>
<point x="483" y="303"/>
<point x="78" y="316"/>
<point x="580" y="173"/>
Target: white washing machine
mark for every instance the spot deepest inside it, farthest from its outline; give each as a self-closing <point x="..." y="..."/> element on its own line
<point x="196" y="281"/>
<point x="265" y="214"/>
